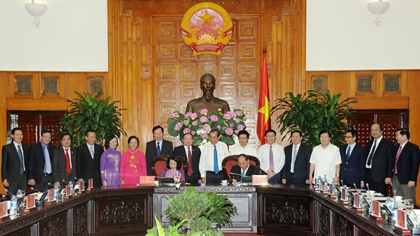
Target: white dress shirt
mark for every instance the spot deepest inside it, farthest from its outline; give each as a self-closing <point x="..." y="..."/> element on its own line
<point x="325" y="161"/>
<point x="207" y="157"/>
<point x="278" y="156"/>
<point x="248" y="150"/>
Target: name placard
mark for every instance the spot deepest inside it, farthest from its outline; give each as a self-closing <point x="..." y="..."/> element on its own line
<point x="30" y="201"/>
<point x="3" y="209"/>
<point x="401" y="219"/>
<point x="51" y="195"/>
<point x="375" y="208"/>
<point x="356" y="200"/>
<point x="147" y="180"/>
<point x="90" y="184"/>
<point x="81" y="186"/>
<point x="68" y="190"/>
<point x="259" y="179"/>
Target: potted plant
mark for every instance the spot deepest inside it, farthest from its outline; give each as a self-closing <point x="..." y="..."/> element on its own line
<point x="92" y="113"/>
<point x="312" y="112"/>
<point x="193" y="213"/>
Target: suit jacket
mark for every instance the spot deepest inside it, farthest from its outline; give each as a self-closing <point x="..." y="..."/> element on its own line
<point x="195" y="156"/>
<point x="59" y="164"/>
<point x="301" y="171"/>
<point x="166" y="149"/>
<point x="408" y="162"/>
<point x="10" y="168"/>
<point x="87" y="167"/>
<point x="37" y="161"/>
<point x="382" y="159"/>
<point x="352" y="170"/>
<point x="252" y="170"/>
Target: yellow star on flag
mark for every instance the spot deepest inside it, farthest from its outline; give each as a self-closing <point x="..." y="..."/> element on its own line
<point x="265" y="109"/>
<point x="206" y="18"/>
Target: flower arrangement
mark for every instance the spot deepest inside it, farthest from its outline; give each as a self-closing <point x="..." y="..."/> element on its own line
<point x="200" y="124"/>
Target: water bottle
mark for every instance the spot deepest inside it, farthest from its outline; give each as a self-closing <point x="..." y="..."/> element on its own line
<point x="13" y="206"/>
<point x="56" y="189"/>
<point x="71" y="187"/>
<point x="333" y="187"/>
<point x="394" y="212"/>
<point x="319" y="182"/>
<point x="19" y="194"/>
<point x="389" y="203"/>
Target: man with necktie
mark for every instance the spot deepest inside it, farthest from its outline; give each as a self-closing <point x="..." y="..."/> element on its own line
<point x="157" y="147"/>
<point x="64" y="162"/>
<point x="212" y="156"/>
<point x="244" y="169"/>
<point x="378" y="167"/>
<point x="406" y="160"/>
<point x="89" y="159"/>
<point x="40" y="165"/>
<point x="272" y="158"/>
<point x="296" y="168"/>
<point x="353" y="159"/>
<point x="14" y="162"/>
<point x="192" y="154"/>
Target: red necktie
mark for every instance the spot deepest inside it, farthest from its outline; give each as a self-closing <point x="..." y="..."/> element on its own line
<point x="189" y="162"/>
<point x="68" y="168"/>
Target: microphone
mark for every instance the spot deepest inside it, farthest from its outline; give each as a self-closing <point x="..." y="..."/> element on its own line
<point x="370" y="195"/>
<point x="65" y="182"/>
<point x="354" y="184"/>
<point x="342" y="183"/>
<point x="231" y="173"/>
<point x="36" y="190"/>
<point x="8" y="193"/>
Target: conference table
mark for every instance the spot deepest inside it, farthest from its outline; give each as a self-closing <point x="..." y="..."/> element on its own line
<point x="130" y="210"/>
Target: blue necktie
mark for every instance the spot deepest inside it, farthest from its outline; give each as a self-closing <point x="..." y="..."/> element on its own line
<point x="158" y="149"/>
<point x="243" y="173"/>
<point x="369" y="162"/>
<point x="21" y="159"/>
<point x="47" y="168"/>
<point x="216" y="164"/>
<point x="348" y="152"/>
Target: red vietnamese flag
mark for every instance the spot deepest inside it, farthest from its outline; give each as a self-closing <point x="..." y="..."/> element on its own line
<point x="263" y="121"/>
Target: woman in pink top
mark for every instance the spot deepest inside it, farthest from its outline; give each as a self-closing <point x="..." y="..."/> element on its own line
<point x="133" y="163"/>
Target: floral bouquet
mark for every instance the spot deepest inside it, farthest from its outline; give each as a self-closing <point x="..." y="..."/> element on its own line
<point x="200" y="125"/>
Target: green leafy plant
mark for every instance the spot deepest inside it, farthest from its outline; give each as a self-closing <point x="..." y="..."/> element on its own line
<point x="92" y="113"/>
<point x="194" y="214"/>
<point x="312" y="112"/>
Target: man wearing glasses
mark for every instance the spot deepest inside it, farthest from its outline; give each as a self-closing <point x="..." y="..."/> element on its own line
<point x="353" y="159"/>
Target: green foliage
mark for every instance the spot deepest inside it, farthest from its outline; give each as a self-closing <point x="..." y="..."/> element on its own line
<point x="197" y="212"/>
<point x="92" y="113"/>
<point x="312" y="112"/>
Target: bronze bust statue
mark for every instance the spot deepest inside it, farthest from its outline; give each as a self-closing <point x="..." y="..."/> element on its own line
<point x="207" y="85"/>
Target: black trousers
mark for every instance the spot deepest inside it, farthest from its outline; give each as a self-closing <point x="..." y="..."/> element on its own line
<point x="379" y="187"/>
<point x="46" y="183"/>
<point x="213" y="178"/>
<point x="19" y="183"/>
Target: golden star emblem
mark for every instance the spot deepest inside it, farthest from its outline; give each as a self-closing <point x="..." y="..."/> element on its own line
<point x="265" y="109"/>
<point x="206" y="18"/>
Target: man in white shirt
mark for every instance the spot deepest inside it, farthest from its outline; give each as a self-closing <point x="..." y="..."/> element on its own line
<point x="272" y="158"/>
<point x="244" y="147"/>
<point x="212" y="155"/>
<point x="325" y="159"/>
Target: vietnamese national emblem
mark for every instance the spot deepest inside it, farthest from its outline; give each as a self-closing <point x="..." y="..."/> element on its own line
<point x="206" y="28"/>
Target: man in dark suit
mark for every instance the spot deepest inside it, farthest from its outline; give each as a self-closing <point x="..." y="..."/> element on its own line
<point x="353" y="160"/>
<point x="89" y="159"/>
<point x="378" y="168"/>
<point x="296" y="167"/>
<point x="64" y="162"/>
<point x="15" y="163"/>
<point x="40" y="165"/>
<point x="192" y="154"/>
<point x="406" y="161"/>
<point x="157" y="147"/>
<point x="244" y="169"/>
